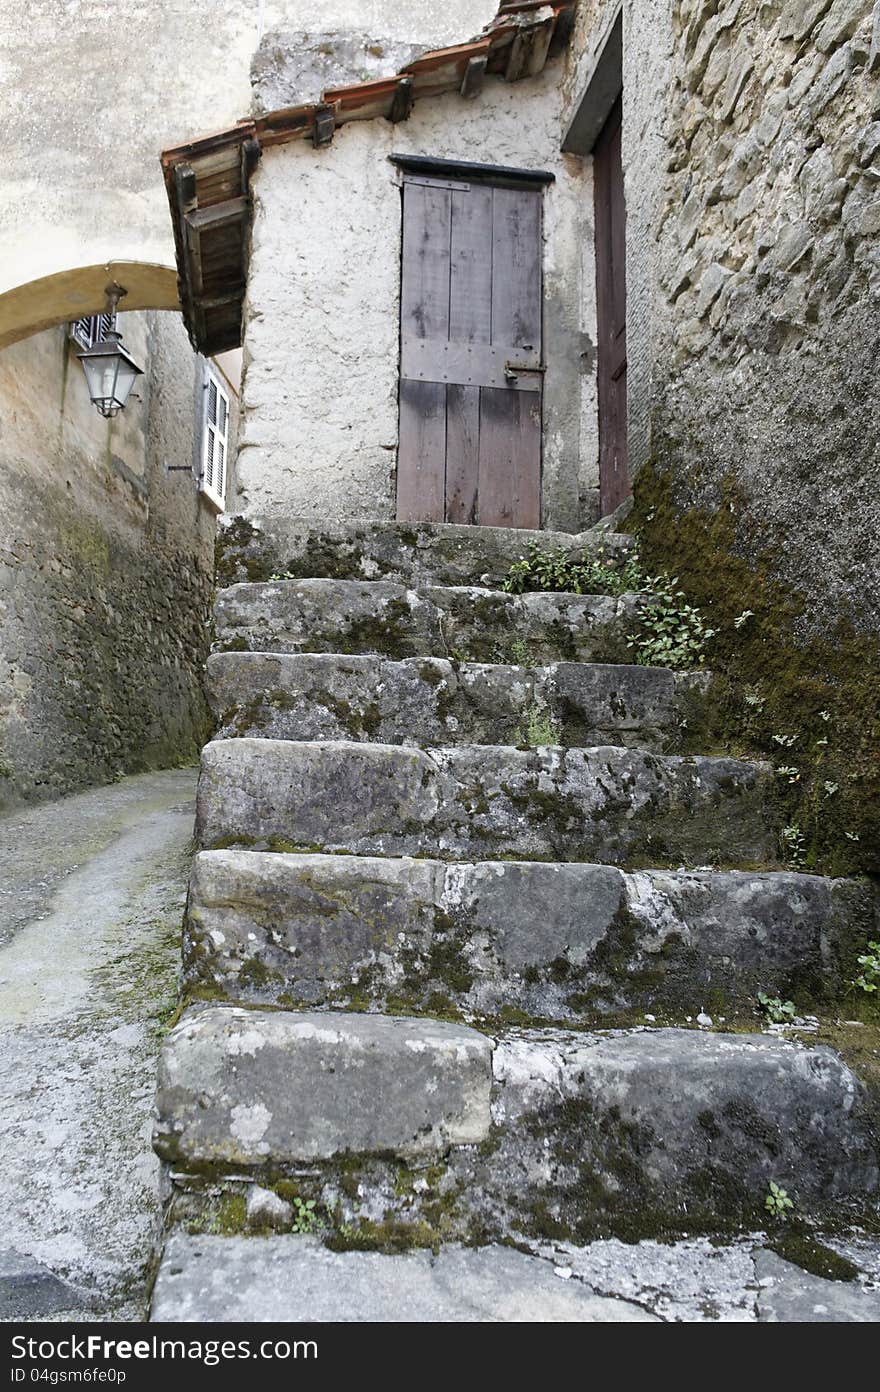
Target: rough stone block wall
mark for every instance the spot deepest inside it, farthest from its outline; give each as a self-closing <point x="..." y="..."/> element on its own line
<point x="768" y="335"/>
<point x="105" y="568"/>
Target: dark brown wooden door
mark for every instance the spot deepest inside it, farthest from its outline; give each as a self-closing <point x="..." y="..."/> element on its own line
<point x="614" y="484"/>
<point x="470" y="363"/>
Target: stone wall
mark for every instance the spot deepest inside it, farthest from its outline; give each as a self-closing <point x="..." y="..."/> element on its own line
<point x="319" y="438"/>
<point x="105" y="567"/>
<point x="752" y="164"/>
<point x="766" y="366"/>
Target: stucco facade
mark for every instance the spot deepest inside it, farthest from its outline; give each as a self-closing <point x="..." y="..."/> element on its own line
<point x="320" y="391"/>
<point x="94" y="91"/>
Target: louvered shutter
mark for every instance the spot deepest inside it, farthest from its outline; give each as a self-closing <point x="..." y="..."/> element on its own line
<point x="215" y="441"/>
<point x="92" y="328"/>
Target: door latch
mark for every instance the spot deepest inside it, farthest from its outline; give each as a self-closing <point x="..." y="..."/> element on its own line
<point x="512" y="370"/>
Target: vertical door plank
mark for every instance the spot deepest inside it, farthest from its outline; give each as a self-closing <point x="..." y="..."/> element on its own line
<point x="510" y="420"/>
<point x="462" y="453"/>
<point x="470" y="321"/>
<point x="470" y="287"/>
<point x="424" y="288"/>
<point x="421" y="452"/>
<point x="516" y="269"/>
<point x="510" y="458"/>
<point x="424" y="313"/>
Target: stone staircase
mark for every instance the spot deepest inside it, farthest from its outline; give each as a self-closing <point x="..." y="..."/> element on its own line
<point x="456" y="905"/>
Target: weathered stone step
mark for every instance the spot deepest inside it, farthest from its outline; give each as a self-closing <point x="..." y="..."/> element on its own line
<point x="290" y="1278"/>
<point x="212" y="1280"/>
<point x="462" y="623"/>
<point x="549" y="941"/>
<point x="240" y="1087"/>
<point x="429" y="700"/>
<point x="411" y="553"/>
<point x="485" y="802"/>
<point x="580" y="1132"/>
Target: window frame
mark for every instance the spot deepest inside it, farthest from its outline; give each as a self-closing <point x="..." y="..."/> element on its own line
<point x="214" y="433"/>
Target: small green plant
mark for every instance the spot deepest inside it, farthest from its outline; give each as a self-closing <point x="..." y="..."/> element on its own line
<point x="777" y="1011"/>
<point x="282" y="575"/>
<point x="777" y="1202"/>
<point x="789" y="772"/>
<point x="305" y="1217"/>
<point x="519" y="653"/>
<point x="552" y="571"/>
<point x="541" y="728"/>
<point x="671" y="632"/>
<point x="869" y="961"/>
<point x="794" y="844"/>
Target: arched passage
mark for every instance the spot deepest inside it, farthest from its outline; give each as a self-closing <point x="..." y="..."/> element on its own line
<point x="70" y="294"/>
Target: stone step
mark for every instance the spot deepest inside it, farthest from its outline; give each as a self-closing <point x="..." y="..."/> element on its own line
<point x="212" y="1280"/>
<point x="205" y="1279"/>
<point x="464" y="623"/>
<point x="486" y="802"/>
<point x="429" y="700"/>
<point x="240" y="1087"/>
<point x="549" y="1133"/>
<point x="494" y="939"/>
<point x="410" y="553"/>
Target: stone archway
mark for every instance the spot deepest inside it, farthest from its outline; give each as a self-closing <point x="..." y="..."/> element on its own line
<point x="70" y="294"/>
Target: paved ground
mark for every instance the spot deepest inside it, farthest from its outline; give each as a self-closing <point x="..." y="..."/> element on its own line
<point x="206" y="1279"/>
<point x="91" y="895"/>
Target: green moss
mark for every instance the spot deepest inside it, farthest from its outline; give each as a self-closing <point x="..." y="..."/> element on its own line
<point x="391" y="1235"/>
<point x="256" y="974"/>
<point x="807" y="1252"/>
<point x="388" y="632"/>
<point x="823" y="691"/>
<point x="225" y="1216"/>
<point x="233" y="560"/>
<point x="357" y="723"/>
<point x="447" y="961"/>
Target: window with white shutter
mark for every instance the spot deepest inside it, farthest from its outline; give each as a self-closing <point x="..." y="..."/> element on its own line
<point x="92" y="329"/>
<point x="215" y="440"/>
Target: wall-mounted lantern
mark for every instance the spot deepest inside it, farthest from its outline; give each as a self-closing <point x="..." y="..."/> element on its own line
<point x="109" y="367"/>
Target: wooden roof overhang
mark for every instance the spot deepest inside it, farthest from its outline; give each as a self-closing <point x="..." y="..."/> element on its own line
<point x="208" y="179"/>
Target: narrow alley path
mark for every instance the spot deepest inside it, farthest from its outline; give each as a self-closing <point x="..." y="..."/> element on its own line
<point x="92" y="889"/>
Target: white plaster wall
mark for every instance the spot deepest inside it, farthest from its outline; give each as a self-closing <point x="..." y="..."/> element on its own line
<point x="94" y="90"/>
<point x="319" y="429"/>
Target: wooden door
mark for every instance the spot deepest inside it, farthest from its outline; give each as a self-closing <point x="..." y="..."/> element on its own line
<point x="469" y="447"/>
<point x="610" y="207"/>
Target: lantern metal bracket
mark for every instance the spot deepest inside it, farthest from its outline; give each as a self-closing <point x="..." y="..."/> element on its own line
<point x="113" y="293"/>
